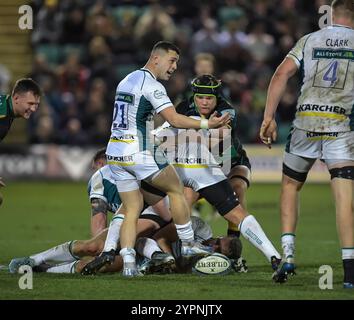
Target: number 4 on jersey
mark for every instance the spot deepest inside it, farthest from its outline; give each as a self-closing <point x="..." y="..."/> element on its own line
<point x="331" y="73"/>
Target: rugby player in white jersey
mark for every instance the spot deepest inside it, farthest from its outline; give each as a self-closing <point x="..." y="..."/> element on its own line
<point x="132" y="160"/>
<point x="322" y="129"/>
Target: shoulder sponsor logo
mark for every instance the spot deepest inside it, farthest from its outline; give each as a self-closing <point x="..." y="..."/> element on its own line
<point x="158" y="94"/>
<point x="125" y="97"/>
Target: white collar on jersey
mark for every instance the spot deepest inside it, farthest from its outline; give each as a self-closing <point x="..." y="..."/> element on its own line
<point x="147" y="70"/>
<point x="341" y="25"/>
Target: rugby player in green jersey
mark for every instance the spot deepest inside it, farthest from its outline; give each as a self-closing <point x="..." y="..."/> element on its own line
<point x="22" y="102"/>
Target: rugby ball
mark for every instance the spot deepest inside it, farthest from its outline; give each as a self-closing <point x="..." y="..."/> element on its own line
<point x="215" y="264"/>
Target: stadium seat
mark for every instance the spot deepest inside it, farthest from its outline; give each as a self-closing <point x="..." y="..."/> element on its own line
<point x="123" y="13"/>
<point x="52" y="52"/>
<point x="69" y="48"/>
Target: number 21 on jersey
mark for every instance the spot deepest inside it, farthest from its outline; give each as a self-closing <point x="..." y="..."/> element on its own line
<point x="121" y="109"/>
<point x="120" y="115"/>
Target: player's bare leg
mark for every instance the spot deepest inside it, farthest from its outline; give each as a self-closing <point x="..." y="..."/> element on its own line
<point x="289" y="214"/>
<point x="167" y="181"/>
<point x="289" y="204"/>
<point x="191" y="196"/>
<point x="343" y="188"/>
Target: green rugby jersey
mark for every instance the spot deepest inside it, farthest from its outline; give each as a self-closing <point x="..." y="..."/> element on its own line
<point x="6" y="115"/>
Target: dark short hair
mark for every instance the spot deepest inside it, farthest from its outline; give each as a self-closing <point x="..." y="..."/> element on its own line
<point x="26" y="85"/>
<point x="100" y="154"/>
<point x="165" y="45"/>
<point x="343" y="5"/>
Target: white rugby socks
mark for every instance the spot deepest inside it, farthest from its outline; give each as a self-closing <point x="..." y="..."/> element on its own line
<point x="63" y="268"/>
<point x="128" y="255"/>
<point x="113" y="233"/>
<point x="185" y="232"/>
<point x="253" y="232"/>
<point x="146" y="247"/>
<point x="59" y="254"/>
<point x="347" y="253"/>
<point x="288" y="245"/>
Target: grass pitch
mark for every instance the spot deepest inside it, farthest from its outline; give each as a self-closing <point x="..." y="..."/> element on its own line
<point x="36" y="216"/>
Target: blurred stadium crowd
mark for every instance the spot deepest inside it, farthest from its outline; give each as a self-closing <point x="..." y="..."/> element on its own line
<point x="83" y="48"/>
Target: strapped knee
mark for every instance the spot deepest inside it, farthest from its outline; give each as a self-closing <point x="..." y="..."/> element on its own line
<point x="298" y="176"/>
<point x="242" y="178"/>
<point x="342" y="173"/>
<point x="221" y="196"/>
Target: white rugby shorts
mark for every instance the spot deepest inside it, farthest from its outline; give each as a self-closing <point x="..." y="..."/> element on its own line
<point x="326" y="146"/>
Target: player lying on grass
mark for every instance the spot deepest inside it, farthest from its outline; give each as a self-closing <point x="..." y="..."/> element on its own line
<point x="73" y="256"/>
<point x="65" y="258"/>
<point x="104" y="197"/>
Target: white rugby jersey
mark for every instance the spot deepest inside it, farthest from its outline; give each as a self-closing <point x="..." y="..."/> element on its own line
<point x="186" y="148"/>
<point x="102" y="186"/>
<point x="138" y="96"/>
<point x="202" y="230"/>
<point x="326" y="60"/>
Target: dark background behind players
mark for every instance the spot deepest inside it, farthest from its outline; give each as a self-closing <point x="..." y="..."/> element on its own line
<point x="81" y="49"/>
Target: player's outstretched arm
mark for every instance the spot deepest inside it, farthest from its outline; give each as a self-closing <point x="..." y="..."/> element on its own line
<point x="180" y="121"/>
<point x="276" y="89"/>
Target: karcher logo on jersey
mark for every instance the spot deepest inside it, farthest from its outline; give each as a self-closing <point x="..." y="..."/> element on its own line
<point x="325" y="111"/>
<point x="321" y="136"/>
<point x="125" y="97"/>
<point x="333" y="54"/>
<point x="121" y="161"/>
<point x="121" y="158"/>
<point x="127" y="138"/>
<point x="190" y="162"/>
